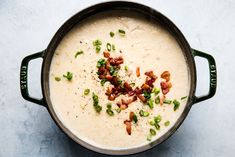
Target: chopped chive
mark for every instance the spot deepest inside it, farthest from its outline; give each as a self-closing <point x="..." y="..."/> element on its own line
<point x="157" y="100"/>
<point x="86" y="91"/>
<point x="96" y="105"/>
<point x="68" y="75"/>
<point x="120" y="82"/>
<point x="132" y="84"/>
<point x="78" y="53"/>
<point x="102" y="82"/>
<point x="152" y="132"/>
<point x="113" y="71"/>
<point x="97" y="48"/>
<point x="126" y="68"/>
<point x="151" y="122"/>
<point x="111" y="34"/>
<point x="166" y="101"/>
<point x="108" y="46"/>
<point x="147" y="95"/>
<point x="184" y="97"/>
<point x="176" y="104"/>
<point x="135" y="119"/>
<point x="113" y="47"/>
<point x="110" y="112"/>
<point x="121" y="32"/>
<point x="167" y="123"/>
<point x="157" y="119"/>
<point x="118" y="110"/>
<point x="156" y="91"/>
<point x="109" y="105"/>
<point x="149" y="137"/>
<point x="97" y="42"/>
<point x="150" y="103"/>
<point x="143" y="113"/>
<point x="157" y="126"/>
<point x="57" y="78"/>
<point x="101" y="62"/>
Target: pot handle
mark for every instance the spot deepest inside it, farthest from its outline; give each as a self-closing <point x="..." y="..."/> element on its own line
<point x="24" y="78"/>
<point x="213" y="75"/>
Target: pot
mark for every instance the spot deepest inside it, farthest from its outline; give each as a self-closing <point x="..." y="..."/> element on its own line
<point x="149" y="13"/>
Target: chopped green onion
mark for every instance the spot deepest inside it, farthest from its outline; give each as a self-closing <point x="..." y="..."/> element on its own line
<point x="111" y="34"/>
<point x="121" y="32"/>
<point x="156" y="91"/>
<point x="143" y="113"/>
<point x="151" y="122"/>
<point x="157" y="100"/>
<point x="113" y="47"/>
<point x="108" y="46"/>
<point x="110" y="112"/>
<point x="149" y="137"/>
<point x="118" y="110"/>
<point x="97" y="48"/>
<point x="132" y="84"/>
<point x="113" y="71"/>
<point x="78" y="53"/>
<point x="120" y="82"/>
<point x="157" y="119"/>
<point x="86" y="91"/>
<point x="147" y="95"/>
<point x="167" y="123"/>
<point x="150" y="103"/>
<point x="126" y="68"/>
<point x="109" y="105"/>
<point x="184" y="97"/>
<point x="102" y="82"/>
<point x="96" y="105"/>
<point x="157" y="126"/>
<point x="176" y="104"/>
<point x="135" y="119"/>
<point x="101" y="62"/>
<point x="97" y="42"/>
<point x="68" y="75"/>
<point x="57" y="78"/>
<point x="152" y="132"/>
<point x="166" y="101"/>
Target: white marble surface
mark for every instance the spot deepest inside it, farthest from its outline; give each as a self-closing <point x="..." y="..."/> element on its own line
<point x="27" y="26"/>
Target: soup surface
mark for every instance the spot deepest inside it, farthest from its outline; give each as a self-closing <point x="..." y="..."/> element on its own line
<point x="118" y="80"/>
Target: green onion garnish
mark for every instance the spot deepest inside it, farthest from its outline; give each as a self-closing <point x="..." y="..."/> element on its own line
<point x="113" y="47"/>
<point x="166" y="101"/>
<point x="157" y="119"/>
<point x="147" y="95"/>
<point x="135" y="119"/>
<point x="86" y="91"/>
<point x="108" y="46"/>
<point x="157" y="126"/>
<point x="126" y="68"/>
<point x="176" y="104"/>
<point x="118" y="110"/>
<point x="57" y="78"/>
<point x="68" y="75"/>
<point x="157" y="100"/>
<point x="167" y="123"/>
<point x="184" y="97"/>
<point x="97" y="42"/>
<point x="151" y="122"/>
<point x="97" y="48"/>
<point x="96" y="105"/>
<point x="110" y="112"/>
<point x="101" y="62"/>
<point x="132" y="84"/>
<point x="102" y="82"/>
<point x="150" y="103"/>
<point x="78" y="53"/>
<point x="121" y="32"/>
<point x="149" y="137"/>
<point x="152" y="132"/>
<point x="156" y="91"/>
<point x="109" y="105"/>
<point x="143" y="113"/>
<point x="111" y="34"/>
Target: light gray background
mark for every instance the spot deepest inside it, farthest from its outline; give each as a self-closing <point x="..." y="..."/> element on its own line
<point x="26" y="129"/>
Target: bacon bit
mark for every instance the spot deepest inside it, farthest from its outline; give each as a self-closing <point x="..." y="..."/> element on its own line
<point x="106" y="54"/>
<point x="127" y="86"/>
<point x="116" y="61"/>
<point x="108" y="77"/>
<point x="112" y="97"/>
<point x="162" y="99"/>
<point x="145" y="86"/>
<point x="138" y="90"/>
<point x="128" y="101"/>
<point x="128" y="126"/>
<point x="131" y="93"/>
<point x="102" y="71"/>
<point x="121" y="106"/>
<point x="138" y="71"/>
<point x="150" y="74"/>
<point x="166" y="75"/>
<point x="131" y="116"/>
<point x="107" y="65"/>
<point x="142" y="98"/>
<point x="165" y="86"/>
<point x="114" y="81"/>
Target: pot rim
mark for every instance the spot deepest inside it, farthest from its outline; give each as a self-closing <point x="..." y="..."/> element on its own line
<point x="119" y="5"/>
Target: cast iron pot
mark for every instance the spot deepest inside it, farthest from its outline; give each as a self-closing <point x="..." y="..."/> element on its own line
<point x="150" y="14"/>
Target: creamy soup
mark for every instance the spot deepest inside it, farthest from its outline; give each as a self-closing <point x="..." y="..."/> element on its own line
<point x="118" y="81"/>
